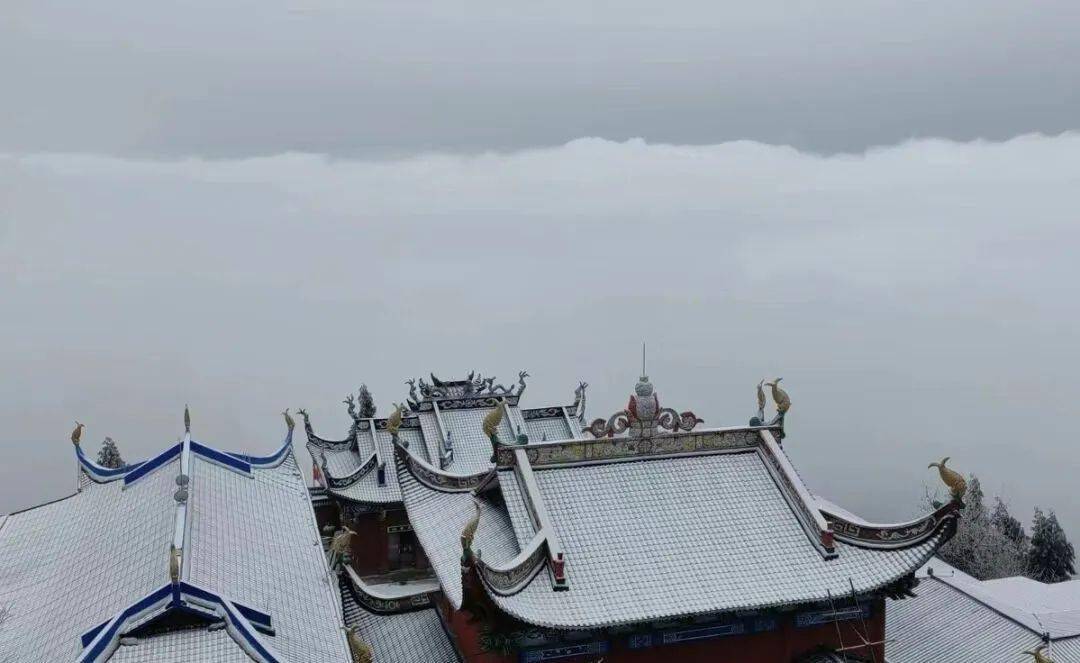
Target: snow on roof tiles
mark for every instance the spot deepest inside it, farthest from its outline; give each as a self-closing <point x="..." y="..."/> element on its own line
<point x="72" y="565"/>
<point x="658" y="538"/>
<point x="408" y="637"/>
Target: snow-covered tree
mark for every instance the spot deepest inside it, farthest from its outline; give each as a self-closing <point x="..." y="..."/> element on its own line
<point x="1005" y="523"/>
<point x="1051" y="556"/>
<point x="979" y="548"/>
<point x="366" y="403"/>
<point x="109" y="455"/>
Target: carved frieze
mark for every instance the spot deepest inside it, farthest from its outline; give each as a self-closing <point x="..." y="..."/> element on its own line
<point x="352" y="477"/>
<point x="891" y="536"/>
<point x="579" y="451"/>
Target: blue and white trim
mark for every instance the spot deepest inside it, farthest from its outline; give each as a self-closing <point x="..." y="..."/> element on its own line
<point x="273" y="460"/>
<point x="102" y="474"/>
<point x="241" y="622"/>
<point x="241" y="463"/>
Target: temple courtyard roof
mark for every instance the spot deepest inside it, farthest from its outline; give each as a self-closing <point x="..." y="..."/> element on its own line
<point x="193" y="555"/>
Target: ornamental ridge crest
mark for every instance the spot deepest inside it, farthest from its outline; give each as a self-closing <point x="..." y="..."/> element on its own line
<point x="474" y="385"/>
<point x="643" y="416"/>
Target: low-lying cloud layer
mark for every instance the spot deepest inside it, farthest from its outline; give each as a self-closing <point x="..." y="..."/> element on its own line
<point x="918" y="300"/>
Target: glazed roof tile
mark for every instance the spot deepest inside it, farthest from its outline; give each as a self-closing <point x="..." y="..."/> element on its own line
<point x="1014" y="613"/>
<point x="942" y="624"/>
<point x="471" y="447"/>
<point x="408" y="637"/>
<point x="652" y="539"/>
<point x="553" y="428"/>
<point x="198" y="644"/>
<point x="248" y="534"/>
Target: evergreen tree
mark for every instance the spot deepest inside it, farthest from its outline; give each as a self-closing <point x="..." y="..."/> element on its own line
<point x="367" y="403"/>
<point x="1051" y="556"/>
<point x="979" y="548"/>
<point x="109" y="455"/>
<point x="1005" y="523"/>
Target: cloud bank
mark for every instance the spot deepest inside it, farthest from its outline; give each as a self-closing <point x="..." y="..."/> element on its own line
<point x="918" y="299"/>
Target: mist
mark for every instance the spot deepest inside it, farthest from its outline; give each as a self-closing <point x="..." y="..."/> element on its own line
<point x="917" y="299"/>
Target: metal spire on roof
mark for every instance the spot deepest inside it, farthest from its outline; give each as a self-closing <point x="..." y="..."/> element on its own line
<point x="187" y="419"/>
<point x="644" y="375"/>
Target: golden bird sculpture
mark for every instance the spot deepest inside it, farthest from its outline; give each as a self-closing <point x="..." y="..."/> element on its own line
<point x="952" y="479"/>
<point x="76" y="435"/>
<point x="469" y="531"/>
<point x="359" y="650"/>
<point x="175" y="561"/>
<point x="393" y="422"/>
<point x="492" y="421"/>
<point x="187" y="419"/>
<point x="340" y="543"/>
<point x="288" y="419"/>
<point x="779" y="396"/>
<point x="1038" y="654"/>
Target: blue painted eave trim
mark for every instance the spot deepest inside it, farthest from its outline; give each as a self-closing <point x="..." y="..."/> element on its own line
<point x="273" y="460"/>
<point x="149" y="466"/>
<point x="243" y="621"/>
<point x="100" y="473"/>
<point x="220" y="457"/>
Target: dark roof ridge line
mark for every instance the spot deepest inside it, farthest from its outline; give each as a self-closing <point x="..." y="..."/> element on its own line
<point x="796" y="495"/>
<point x="435" y="479"/>
<point x="988" y="603"/>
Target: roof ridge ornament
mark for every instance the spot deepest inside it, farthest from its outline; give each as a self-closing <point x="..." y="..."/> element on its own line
<point x="643" y="416"/>
<point x="473" y="385"/>
<point x="468" y="533"/>
<point x="393" y="424"/>
<point x="187" y="419"/>
<point x="289" y="420"/>
<point x="952" y="479"/>
<point x="579" y="401"/>
<point x="780" y="398"/>
<point x="359" y="650"/>
<point x="491" y="427"/>
<point x="76" y="435"/>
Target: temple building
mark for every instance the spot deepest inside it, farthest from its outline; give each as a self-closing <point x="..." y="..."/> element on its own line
<point x="470" y="526"/>
<point x="196" y="554"/>
<point x="959" y="618"/>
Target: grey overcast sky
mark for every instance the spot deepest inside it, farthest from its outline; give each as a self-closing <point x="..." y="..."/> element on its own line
<point x="247" y="206"/>
<point x="342" y="77"/>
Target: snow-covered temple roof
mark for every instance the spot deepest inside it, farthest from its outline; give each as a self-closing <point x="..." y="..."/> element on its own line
<point x="443" y="427"/>
<point x="955" y="617"/>
<point x="650" y="519"/>
<point x="398" y="637"/>
<point x="196" y="554"/>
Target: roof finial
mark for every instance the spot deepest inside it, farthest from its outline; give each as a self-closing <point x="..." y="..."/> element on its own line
<point x="76" y="435"/>
<point x="952" y="479"/>
<point x="644" y="375"/>
<point x="289" y="420"/>
<point x="359" y="651"/>
<point x="393" y="422"/>
<point x="187" y="419"/>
